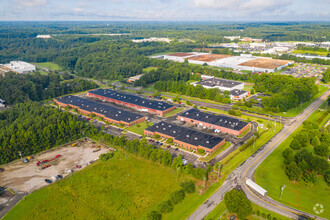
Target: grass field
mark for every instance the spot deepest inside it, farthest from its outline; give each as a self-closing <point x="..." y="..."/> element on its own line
<point x="148" y="69"/>
<point x="311" y="52"/>
<point x="125" y="187"/>
<point x="139" y="128"/>
<point x="217" y="152"/>
<point x="298" y="194"/>
<point x="50" y="65"/>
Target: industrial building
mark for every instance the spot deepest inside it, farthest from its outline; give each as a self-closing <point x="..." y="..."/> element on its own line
<point x="242" y="62"/>
<point x="132" y="79"/>
<point x="185" y="137"/>
<point x="132" y="101"/>
<point x="219" y="123"/>
<point x="222" y="84"/>
<point x="109" y="113"/>
<point x="238" y="94"/>
<point x="20" y="67"/>
<point x="43" y="36"/>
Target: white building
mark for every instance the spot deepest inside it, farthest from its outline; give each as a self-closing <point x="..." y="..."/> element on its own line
<point x="222" y="84"/>
<point x="44" y="36"/>
<point x="238" y="94"/>
<point x="180" y="57"/>
<point x="232" y="37"/>
<point x="151" y="39"/>
<point x="20" y="67"/>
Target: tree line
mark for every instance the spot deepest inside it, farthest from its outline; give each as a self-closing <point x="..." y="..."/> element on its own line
<point x="16" y="88"/>
<point x="30" y="128"/>
<point x="301" y="163"/>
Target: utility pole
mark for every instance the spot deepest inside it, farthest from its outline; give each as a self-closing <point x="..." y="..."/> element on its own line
<point x="20" y="154"/>
<point x="254" y="137"/>
<point x="282" y="188"/>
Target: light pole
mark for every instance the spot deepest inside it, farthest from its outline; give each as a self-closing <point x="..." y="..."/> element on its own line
<point x="282" y="188"/>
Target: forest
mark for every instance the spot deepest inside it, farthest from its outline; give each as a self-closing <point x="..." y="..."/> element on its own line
<point x="285" y="91"/>
<point x="300" y="162"/>
<point x="16" y="88"/>
<point x="31" y="128"/>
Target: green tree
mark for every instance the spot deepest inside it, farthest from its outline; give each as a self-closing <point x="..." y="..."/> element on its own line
<point x="322" y="150"/>
<point x="177" y="196"/>
<point x="188" y="186"/>
<point x="154" y="215"/>
<point x="165" y="207"/>
<point x="293" y="171"/>
<point x="236" y="202"/>
<point x="315" y="141"/>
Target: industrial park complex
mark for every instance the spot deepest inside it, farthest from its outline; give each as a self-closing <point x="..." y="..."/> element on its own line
<point x="17" y="67"/>
<point x="109" y="113"/>
<point x="186" y="138"/>
<point x="242" y="62"/>
<point x="132" y="101"/>
<point x="219" y="123"/>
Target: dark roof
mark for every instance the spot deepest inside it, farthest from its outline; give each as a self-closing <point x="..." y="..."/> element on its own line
<point x="106" y="110"/>
<point x="237" y="92"/>
<point x="186" y="135"/>
<point x="132" y="99"/>
<point x="219" y="120"/>
<point x="219" y="82"/>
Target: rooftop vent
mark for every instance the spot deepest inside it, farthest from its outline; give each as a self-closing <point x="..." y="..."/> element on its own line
<point x="196" y="138"/>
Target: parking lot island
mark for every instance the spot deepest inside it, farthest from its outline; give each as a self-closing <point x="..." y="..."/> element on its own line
<point x="185" y="137"/>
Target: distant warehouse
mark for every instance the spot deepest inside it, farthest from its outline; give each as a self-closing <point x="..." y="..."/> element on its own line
<point x="222" y="123"/>
<point x="132" y="101"/>
<point x="186" y="138"/>
<point x="109" y="113"/>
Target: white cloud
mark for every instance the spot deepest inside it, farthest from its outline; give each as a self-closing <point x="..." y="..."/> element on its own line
<point x="241" y="5"/>
<point x="31" y="3"/>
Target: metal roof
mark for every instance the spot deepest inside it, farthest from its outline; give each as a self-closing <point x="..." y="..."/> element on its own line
<point x="219" y="120"/>
<point x="213" y="82"/>
<point x="106" y="110"/>
<point x="132" y="99"/>
<point x="186" y="135"/>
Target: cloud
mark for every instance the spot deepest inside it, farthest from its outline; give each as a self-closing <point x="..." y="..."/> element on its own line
<point x="241" y="5"/>
<point x="31" y="3"/>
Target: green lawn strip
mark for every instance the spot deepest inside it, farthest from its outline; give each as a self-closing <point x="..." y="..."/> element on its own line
<point x="50" y="65"/>
<point x="214" y="154"/>
<point x="192" y="202"/>
<point x="139" y="128"/>
<point x="245" y="132"/>
<point x="190" y="98"/>
<point x="218" y="212"/>
<point x="271" y="176"/>
<point x="173" y="112"/>
<point x="125" y="187"/>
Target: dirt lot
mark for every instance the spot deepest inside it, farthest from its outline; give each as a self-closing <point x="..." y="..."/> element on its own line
<point x="27" y="177"/>
<point x="209" y="57"/>
<point x="265" y="63"/>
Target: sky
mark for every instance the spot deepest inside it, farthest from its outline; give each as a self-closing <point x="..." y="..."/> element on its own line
<point x="164" y="10"/>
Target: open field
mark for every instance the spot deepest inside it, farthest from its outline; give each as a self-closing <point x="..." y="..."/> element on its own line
<point x="139" y="128"/>
<point x="310" y="52"/>
<point x="124" y="187"/>
<point x="27" y="177"/>
<point x="148" y="69"/>
<point x="296" y="194"/>
<point x="50" y="65"/>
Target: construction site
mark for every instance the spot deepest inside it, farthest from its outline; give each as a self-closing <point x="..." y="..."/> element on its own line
<point x="50" y="166"/>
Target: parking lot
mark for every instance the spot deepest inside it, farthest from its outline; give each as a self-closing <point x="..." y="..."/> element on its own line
<point x="306" y="70"/>
<point x="28" y="177"/>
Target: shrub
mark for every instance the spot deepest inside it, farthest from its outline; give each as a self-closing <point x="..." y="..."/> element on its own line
<point x="105" y="157"/>
<point x="188" y="186"/>
<point x="236" y="202"/>
<point x="153" y="215"/>
<point x="200" y="151"/>
<point x="165" y="207"/>
<point x="177" y="196"/>
<point x="157" y="136"/>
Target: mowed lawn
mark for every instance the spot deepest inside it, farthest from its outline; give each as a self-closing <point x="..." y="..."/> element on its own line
<point x="271" y="176"/>
<point x="125" y="187"/>
<point x="50" y="65"/>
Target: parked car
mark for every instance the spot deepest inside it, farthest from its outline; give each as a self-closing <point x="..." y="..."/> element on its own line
<point x="232" y="217"/>
<point x="176" y="148"/>
<point x="78" y="166"/>
<point x="59" y="177"/>
<point x="48" y="181"/>
<point x="88" y="119"/>
<point x="168" y="146"/>
<point x="2" y="170"/>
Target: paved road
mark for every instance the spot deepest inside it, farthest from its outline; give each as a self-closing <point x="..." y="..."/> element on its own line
<point x="247" y="169"/>
<point x="10" y="203"/>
